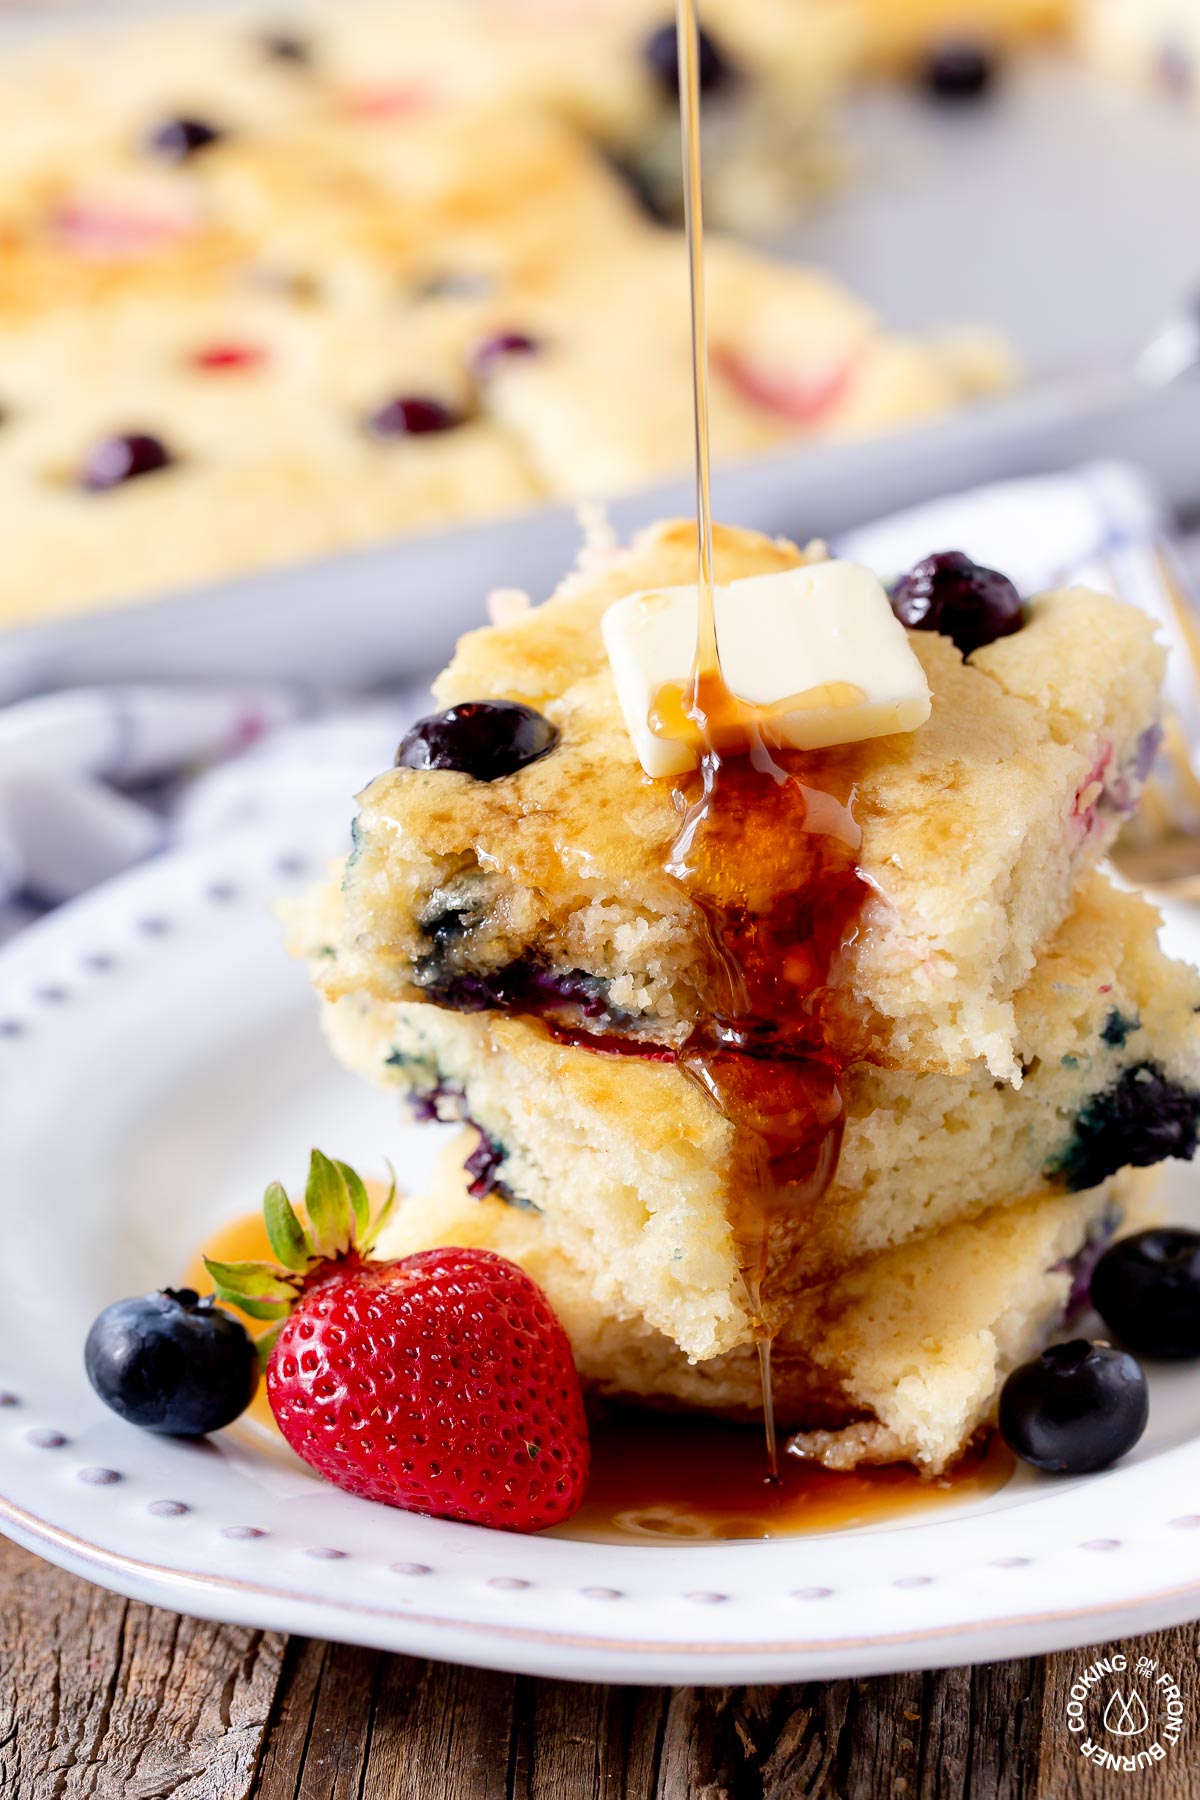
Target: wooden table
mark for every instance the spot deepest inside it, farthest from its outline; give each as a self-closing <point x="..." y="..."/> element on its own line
<point x="104" y="1698"/>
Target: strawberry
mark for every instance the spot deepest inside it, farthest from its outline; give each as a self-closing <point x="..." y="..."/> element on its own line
<point x="442" y="1382"/>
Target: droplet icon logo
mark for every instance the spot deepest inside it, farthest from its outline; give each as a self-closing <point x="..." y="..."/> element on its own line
<point x="1126" y="1715"/>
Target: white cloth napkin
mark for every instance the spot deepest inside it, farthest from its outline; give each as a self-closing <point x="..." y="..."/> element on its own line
<point x="94" y="780"/>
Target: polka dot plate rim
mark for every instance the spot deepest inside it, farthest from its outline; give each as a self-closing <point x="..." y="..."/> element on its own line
<point x="162" y="1062"/>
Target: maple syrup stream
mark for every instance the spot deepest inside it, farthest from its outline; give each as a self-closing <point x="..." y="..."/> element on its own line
<point x="768" y="858"/>
<point x="687" y="31"/>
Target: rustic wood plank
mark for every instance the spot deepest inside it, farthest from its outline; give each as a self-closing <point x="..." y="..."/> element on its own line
<point x="104" y="1698"/>
<point x="600" y="1743"/>
<point x="316" y="1745"/>
<point x="980" y="1731"/>
<point x="281" y="1760"/>
<point x="722" y="1743"/>
<point x="339" y="1735"/>
<point x="439" y="1732"/>
<point x="878" y="1742"/>
<point x="809" y="1731"/>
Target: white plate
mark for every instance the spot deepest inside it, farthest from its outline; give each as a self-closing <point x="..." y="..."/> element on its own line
<point x="159" y="1062"/>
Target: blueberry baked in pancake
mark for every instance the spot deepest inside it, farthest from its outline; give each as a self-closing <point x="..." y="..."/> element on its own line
<point x="912" y="1012"/>
<point x="267" y="295"/>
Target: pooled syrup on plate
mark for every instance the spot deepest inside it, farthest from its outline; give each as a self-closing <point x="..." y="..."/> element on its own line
<point x="662" y="1478"/>
<point x="683" y="1480"/>
<point x="768" y="857"/>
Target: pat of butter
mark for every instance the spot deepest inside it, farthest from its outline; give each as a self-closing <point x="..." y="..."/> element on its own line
<point x="827" y="626"/>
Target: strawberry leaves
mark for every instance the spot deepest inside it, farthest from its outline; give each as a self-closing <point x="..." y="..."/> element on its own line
<point x="370" y="1236"/>
<point x="258" y="1288"/>
<point x="286" y="1235"/>
<point x="359" y="1203"/>
<point x="331" y="1213"/>
<point x="339" y="1225"/>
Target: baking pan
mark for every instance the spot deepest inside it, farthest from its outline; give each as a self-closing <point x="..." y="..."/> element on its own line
<point x="1063" y="210"/>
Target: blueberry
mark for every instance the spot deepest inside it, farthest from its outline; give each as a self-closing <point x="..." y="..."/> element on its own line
<point x="463" y="992"/>
<point x="172" y="1362"/>
<point x="573" y="988"/>
<point x="951" y="594"/>
<point x="1176" y="69"/>
<point x="176" y="140"/>
<point x="1147" y="1290"/>
<point x="661" y="55"/>
<point x="483" y="738"/>
<point x="1077" y="1407"/>
<point x="454" y="284"/>
<point x="412" y="415"/>
<point x="960" y="69"/>
<point x="448" y="926"/>
<point x="116" y="460"/>
<point x="287" y="47"/>
<point x="1142" y="1119"/>
<point x="521" y="986"/>
<point x="444" y="1100"/>
<point x="651" y="195"/>
<point x="1119" y="1027"/>
<point x="503" y="344"/>
<point x="483" y="1166"/>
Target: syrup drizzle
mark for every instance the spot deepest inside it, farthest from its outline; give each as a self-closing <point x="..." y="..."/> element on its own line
<point x="685" y="1480"/>
<point x="768" y="857"/>
<point x="687" y="34"/>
